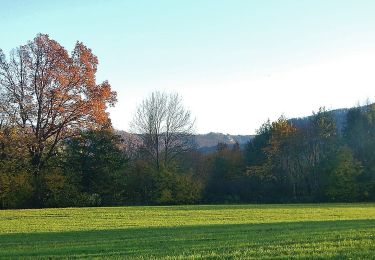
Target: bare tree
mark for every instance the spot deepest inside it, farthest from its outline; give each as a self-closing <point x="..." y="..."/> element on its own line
<point x="164" y="126"/>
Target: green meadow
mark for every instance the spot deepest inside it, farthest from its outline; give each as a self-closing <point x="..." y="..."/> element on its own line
<point x="179" y="232"/>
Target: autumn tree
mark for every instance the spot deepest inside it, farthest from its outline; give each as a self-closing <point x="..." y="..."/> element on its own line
<point x="164" y="126"/>
<point x="50" y="95"/>
<point x="286" y="155"/>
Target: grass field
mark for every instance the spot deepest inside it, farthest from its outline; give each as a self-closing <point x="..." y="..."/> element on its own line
<point x="227" y="231"/>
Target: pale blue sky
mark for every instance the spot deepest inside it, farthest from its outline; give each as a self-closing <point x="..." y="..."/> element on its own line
<point x="236" y="63"/>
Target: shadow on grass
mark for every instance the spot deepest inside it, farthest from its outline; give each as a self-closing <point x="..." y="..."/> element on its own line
<point x="288" y="239"/>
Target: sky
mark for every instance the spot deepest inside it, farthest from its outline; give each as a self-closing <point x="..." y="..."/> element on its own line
<point x="235" y="63"/>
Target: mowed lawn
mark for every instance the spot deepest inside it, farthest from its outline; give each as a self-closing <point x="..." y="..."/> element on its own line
<point x="224" y="231"/>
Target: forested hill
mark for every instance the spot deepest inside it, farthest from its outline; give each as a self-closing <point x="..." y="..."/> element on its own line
<point x="207" y="143"/>
<point x="338" y="115"/>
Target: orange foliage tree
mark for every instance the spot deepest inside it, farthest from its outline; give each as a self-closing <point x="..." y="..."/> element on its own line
<point x="49" y="95"/>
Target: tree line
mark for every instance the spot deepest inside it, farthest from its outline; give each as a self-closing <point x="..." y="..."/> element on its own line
<point x="59" y="149"/>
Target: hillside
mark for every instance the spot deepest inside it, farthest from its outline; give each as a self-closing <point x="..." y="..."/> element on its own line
<point x="212" y="139"/>
<point x="207" y="142"/>
<point x="339" y="116"/>
<point x="204" y="141"/>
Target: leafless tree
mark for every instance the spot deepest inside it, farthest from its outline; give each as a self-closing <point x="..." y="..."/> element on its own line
<point x="164" y="126"/>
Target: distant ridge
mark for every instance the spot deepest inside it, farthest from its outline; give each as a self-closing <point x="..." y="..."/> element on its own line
<point x="208" y="142"/>
<point x="339" y="116"/>
<point x="205" y="142"/>
<point x="212" y="139"/>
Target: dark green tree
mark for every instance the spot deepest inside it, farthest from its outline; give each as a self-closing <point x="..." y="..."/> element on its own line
<point x="359" y="135"/>
<point x="340" y="178"/>
<point x="95" y="162"/>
